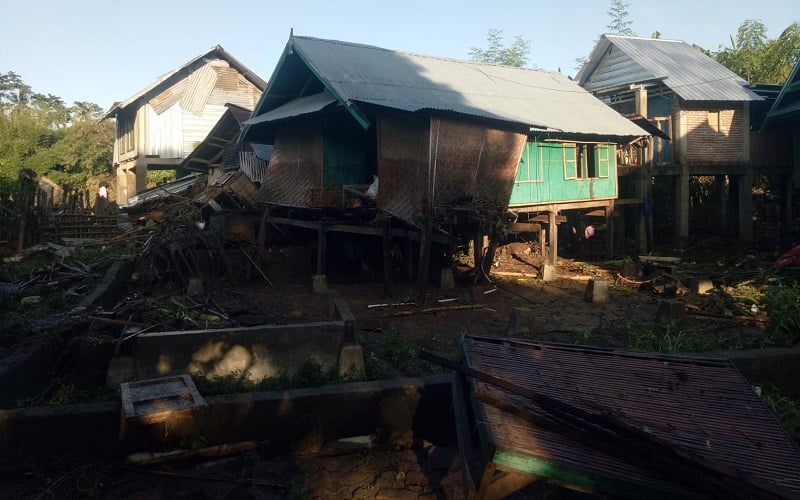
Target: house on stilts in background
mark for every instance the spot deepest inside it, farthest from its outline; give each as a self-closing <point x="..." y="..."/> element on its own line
<point x="158" y="127"/>
<point x="450" y="146"/>
<point x="702" y="180"/>
<point x="784" y="118"/>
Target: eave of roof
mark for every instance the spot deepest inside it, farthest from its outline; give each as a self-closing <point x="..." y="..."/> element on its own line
<point x="780" y="110"/>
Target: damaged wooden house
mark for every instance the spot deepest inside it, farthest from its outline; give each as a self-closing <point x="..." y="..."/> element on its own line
<point x="158" y="127"/>
<point x="439" y="149"/>
<point x="702" y="180"/>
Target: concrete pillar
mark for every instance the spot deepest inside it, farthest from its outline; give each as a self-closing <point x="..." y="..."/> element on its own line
<point x="745" y="199"/>
<point x="553" y="236"/>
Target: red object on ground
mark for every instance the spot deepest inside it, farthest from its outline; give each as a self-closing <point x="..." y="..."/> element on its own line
<point x="789" y="259"/>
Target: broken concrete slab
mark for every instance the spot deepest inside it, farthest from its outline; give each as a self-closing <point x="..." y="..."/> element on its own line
<point x="549" y="272"/>
<point x="351" y="361"/>
<point x="701" y="285"/>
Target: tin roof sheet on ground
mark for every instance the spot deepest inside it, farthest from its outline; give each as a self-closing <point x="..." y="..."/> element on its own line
<point x="355" y="74"/>
<point x="621" y="60"/>
<point x="703" y="405"/>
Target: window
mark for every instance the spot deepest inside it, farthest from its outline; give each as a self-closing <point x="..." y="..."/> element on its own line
<point x="125" y="131"/>
<point x="587" y="161"/>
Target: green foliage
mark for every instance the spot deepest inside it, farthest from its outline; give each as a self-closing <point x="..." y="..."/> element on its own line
<point x="756" y="58"/>
<point x="671" y="340"/>
<point x="619" y="23"/>
<point x="40" y="132"/>
<point x="158" y="177"/>
<point x="310" y="374"/>
<point x="399" y="352"/>
<point x="782" y="304"/>
<point x="496" y="53"/>
<point x="785" y="409"/>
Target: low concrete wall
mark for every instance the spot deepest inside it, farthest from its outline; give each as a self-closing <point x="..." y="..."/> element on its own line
<point x="261" y="351"/>
<point x="295" y="420"/>
<point x="111" y="288"/>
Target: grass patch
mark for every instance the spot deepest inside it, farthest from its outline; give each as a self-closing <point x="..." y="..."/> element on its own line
<point x="785" y="409"/>
<point x="310" y="374"/>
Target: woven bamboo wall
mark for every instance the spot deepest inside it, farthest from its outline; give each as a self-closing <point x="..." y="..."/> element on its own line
<point x="470" y="162"/>
<point x="296" y="165"/>
<point x="402" y="166"/>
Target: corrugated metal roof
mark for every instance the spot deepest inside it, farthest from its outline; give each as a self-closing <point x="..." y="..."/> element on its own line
<point x="356" y="73"/>
<point x="692" y="75"/>
<point x="702" y="405"/>
<point x="298" y="107"/>
<point x="787" y="104"/>
<point x="165" y="190"/>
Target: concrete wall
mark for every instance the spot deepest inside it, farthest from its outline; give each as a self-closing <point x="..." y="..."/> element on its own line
<point x="261" y="351"/>
<point x="296" y="420"/>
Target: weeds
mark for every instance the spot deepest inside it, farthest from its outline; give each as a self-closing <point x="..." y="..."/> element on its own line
<point x="310" y="374"/>
<point x="670" y="339"/>
<point x="786" y="410"/>
<point x="782" y="304"/>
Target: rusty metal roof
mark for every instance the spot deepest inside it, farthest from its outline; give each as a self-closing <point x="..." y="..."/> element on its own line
<point x="171" y="78"/>
<point x="618" y="61"/>
<point x="358" y="75"/>
<point x="703" y="405"/>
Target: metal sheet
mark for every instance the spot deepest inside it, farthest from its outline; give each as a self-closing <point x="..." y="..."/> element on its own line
<point x="692" y="75"/>
<point x="704" y="405"/>
<point x="521" y="97"/>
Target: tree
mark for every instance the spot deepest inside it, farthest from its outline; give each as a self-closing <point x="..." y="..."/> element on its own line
<point x="756" y="58"/>
<point x="41" y="133"/>
<point x="497" y="53"/>
<point x="620" y="24"/>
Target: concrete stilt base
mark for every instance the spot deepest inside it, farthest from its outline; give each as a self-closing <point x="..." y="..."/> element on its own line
<point x="319" y="283"/>
<point x="351" y="360"/>
<point x="520" y="321"/>
<point x="447" y="282"/>
<point x="671" y="312"/>
<point x="701" y="286"/>
<point x="597" y="291"/>
<point x="549" y="272"/>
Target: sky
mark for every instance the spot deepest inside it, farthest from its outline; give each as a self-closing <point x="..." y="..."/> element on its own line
<point x="103" y="51"/>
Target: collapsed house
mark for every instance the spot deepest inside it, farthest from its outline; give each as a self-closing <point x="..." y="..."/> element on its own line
<point x="429" y="143"/>
<point x="159" y="126"/>
<point x="709" y="113"/>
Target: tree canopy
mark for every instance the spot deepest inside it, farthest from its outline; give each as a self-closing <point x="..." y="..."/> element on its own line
<point x="497" y="53"/>
<point x="40" y="132"/>
<point x="756" y="58"/>
<point x="619" y="24"/>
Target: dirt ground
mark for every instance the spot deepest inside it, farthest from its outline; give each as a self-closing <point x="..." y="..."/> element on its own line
<point x="392" y="331"/>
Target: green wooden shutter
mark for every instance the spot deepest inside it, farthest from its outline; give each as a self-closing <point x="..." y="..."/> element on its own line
<point x="603" y="160"/>
<point x="570" y="165"/>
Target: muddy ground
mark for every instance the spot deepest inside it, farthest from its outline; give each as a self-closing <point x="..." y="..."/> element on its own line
<point x="392" y="332"/>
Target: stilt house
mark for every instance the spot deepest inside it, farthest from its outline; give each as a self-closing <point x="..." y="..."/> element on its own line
<point x="707" y="111"/>
<point x="442" y="137"/>
<point x="159" y="126"/>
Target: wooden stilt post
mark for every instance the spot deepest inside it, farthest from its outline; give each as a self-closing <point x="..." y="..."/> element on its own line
<point x="610" y="230"/>
<point x="424" y="258"/>
<point x="321" y="250"/>
<point x="386" y="240"/>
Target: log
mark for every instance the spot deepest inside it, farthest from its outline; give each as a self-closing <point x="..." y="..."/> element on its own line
<point x="179" y="456"/>
<point x="433" y="309"/>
